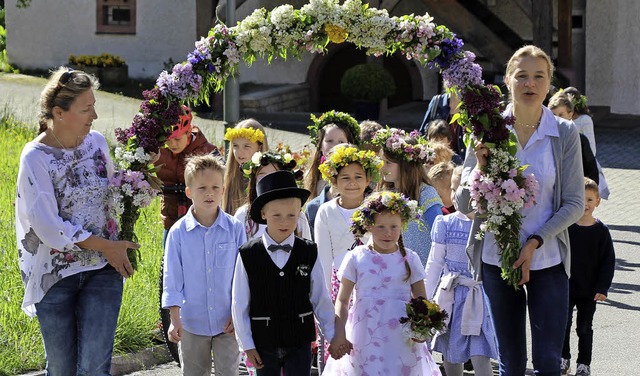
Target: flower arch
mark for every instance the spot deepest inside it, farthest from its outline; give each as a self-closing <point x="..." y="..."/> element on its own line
<point x="288" y="32"/>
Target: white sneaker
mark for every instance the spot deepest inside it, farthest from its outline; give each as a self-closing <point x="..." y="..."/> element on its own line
<point x="565" y="365"/>
<point x="583" y="370"/>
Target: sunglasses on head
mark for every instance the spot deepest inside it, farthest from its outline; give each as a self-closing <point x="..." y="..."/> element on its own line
<point x="66" y="76"/>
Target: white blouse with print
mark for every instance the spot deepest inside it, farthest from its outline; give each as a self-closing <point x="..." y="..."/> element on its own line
<point x="61" y="199"/>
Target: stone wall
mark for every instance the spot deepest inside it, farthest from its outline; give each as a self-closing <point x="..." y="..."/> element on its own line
<point x="287" y="98"/>
<point x="612" y="76"/>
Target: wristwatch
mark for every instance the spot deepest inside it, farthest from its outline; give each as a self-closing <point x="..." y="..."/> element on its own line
<point x="538" y="238"/>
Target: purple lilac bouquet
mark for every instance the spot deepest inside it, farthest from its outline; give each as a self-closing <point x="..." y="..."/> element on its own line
<point x="135" y="184"/>
<point x="500" y="190"/>
<point x="152" y="125"/>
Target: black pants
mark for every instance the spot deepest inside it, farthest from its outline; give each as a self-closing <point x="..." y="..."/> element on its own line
<point x="293" y="361"/>
<point x="586" y="308"/>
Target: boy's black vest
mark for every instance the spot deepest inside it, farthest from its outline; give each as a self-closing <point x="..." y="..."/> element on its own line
<point x="280" y="310"/>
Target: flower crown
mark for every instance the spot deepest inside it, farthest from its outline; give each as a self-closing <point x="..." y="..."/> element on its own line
<point x="579" y="104"/>
<point x="380" y="202"/>
<point x="251" y="134"/>
<point x="344" y="155"/>
<point x="410" y="147"/>
<point x="284" y="161"/>
<point x="333" y="117"/>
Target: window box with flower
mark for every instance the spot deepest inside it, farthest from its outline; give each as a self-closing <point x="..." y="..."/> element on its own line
<point x="111" y="70"/>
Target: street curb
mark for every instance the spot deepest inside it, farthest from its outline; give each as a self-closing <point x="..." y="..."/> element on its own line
<point x="129" y="363"/>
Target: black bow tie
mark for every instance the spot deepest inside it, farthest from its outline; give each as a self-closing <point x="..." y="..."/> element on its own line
<point x="282" y="247"/>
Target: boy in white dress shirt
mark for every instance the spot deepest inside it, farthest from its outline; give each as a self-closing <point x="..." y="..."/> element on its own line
<point x="279" y="286"/>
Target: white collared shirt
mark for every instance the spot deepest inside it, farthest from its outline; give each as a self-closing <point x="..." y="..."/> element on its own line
<point x="241" y="298"/>
<point x="538" y="155"/>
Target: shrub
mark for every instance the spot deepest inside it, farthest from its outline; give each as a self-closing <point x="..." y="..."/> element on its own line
<point x="103" y="60"/>
<point x="367" y="82"/>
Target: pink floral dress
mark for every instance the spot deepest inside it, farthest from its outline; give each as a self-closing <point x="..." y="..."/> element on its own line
<point x="373" y="326"/>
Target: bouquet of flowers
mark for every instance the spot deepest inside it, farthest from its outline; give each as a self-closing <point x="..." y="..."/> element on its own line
<point x="501" y="189"/>
<point x="424" y="319"/>
<point x="130" y="189"/>
<point x="135" y="184"/>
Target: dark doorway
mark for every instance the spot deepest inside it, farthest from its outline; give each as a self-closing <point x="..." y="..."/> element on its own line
<point x="326" y="71"/>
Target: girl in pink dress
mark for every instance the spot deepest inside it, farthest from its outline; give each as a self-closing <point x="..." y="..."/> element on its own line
<point x="385" y="275"/>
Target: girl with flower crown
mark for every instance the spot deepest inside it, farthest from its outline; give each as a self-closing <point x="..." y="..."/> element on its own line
<point x="246" y="138"/>
<point x="405" y="155"/>
<point x="260" y="165"/>
<point x="385" y="276"/>
<point x="349" y="171"/>
<point x="330" y="129"/>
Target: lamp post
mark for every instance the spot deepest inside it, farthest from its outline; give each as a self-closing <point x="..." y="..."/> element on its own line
<point x="231" y="94"/>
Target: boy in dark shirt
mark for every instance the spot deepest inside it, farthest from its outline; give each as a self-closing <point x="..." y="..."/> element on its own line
<point x="592" y="265"/>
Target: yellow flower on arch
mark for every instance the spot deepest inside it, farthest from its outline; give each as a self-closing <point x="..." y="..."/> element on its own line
<point x="336" y="34"/>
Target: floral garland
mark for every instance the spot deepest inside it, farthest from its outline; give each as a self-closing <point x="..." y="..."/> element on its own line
<point x="285" y="31"/>
<point x="333" y="117"/>
<point x="253" y="135"/>
<point x="344" y="155"/>
<point x="259" y="159"/>
<point x="411" y="147"/>
<point x="380" y="202"/>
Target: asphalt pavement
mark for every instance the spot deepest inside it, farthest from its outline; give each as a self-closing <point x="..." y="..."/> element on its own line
<point x="616" y="323"/>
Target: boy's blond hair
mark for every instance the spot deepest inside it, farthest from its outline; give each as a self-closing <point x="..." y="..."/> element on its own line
<point x="440" y="171"/>
<point x="591" y="185"/>
<point x="443" y="152"/>
<point x="200" y="163"/>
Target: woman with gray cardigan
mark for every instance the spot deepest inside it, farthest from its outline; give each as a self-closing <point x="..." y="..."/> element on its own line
<point x="551" y="149"/>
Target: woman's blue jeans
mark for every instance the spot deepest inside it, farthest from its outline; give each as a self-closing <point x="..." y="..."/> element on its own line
<point x="78" y="318"/>
<point x="547" y="296"/>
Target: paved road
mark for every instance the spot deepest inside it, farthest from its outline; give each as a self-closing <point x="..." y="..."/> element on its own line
<point x="617" y="321"/>
<point x="616" y="324"/>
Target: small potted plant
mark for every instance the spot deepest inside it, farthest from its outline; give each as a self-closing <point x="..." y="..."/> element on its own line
<point x="367" y="85"/>
<point x="111" y="70"/>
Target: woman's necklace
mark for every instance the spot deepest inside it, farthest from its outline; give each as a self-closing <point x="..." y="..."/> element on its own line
<point x="58" y="140"/>
<point x="529" y="125"/>
<point x="75" y="154"/>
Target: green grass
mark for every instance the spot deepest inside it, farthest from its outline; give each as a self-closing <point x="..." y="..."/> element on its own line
<point x="21" y="347"/>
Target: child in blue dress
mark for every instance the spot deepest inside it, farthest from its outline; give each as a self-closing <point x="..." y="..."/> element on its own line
<point x="470" y="333"/>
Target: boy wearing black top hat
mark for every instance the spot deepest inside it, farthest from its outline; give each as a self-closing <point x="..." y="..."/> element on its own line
<point x="279" y="286"/>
